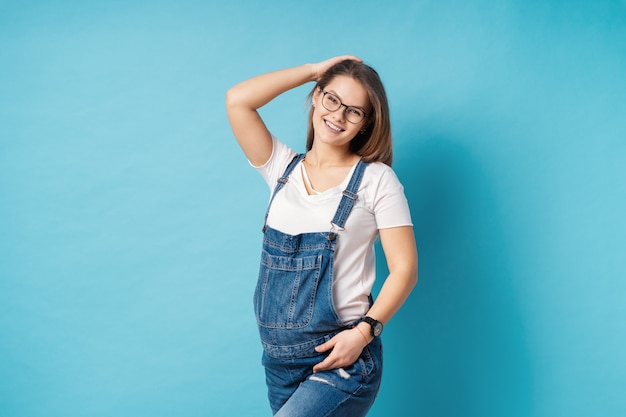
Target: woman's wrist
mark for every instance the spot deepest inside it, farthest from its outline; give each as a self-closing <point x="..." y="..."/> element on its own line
<point x="363" y="328"/>
<point x="312" y="70"/>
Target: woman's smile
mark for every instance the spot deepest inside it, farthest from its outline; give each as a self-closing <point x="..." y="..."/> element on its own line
<point x="333" y="127"/>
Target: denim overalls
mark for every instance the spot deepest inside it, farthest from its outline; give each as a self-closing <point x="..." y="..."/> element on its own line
<point x="294" y="307"/>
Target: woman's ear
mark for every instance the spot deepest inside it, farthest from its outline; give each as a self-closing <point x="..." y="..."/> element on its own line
<point x="316" y="94"/>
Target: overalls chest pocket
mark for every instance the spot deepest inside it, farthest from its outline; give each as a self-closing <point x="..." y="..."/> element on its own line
<point x="286" y="289"/>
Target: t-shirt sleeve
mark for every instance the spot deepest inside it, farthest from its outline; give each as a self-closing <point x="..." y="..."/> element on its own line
<point x="276" y="165"/>
<point x="391" y="207"/>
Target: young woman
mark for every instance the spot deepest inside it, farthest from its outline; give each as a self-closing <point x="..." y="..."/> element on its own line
<point x="319" y="326"/>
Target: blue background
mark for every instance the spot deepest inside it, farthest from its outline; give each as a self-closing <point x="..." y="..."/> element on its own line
<point x="130" y="220"/>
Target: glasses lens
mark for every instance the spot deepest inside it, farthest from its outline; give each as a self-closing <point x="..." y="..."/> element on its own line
<point x="331" y="102"/>
<point x="354" y="115"/>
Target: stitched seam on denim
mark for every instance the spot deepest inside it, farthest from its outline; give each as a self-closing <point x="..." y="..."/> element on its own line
<point x="292" y="268"/>
<point x="294" y="296"/>
<point x="297" y="248"/>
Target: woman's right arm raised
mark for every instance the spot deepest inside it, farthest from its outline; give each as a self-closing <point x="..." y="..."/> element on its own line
<point x="244" y="99"/>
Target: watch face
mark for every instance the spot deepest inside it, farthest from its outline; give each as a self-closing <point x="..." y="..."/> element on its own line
<point x="376" y="326"/>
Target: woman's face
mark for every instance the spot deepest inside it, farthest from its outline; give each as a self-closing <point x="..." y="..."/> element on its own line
<point x="332" y="126"/>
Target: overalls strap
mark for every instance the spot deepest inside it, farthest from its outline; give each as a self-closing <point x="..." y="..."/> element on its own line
<point x="349" y="196"/>
<point x="281" y="182"/>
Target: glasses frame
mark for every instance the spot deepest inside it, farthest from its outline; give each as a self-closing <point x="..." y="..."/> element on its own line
<point x="324" y="92"/>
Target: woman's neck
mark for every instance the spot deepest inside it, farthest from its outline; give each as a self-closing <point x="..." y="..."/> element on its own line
<point x="327" y="156"/>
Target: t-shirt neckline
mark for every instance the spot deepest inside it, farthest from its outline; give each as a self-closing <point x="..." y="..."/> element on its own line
<point x="338" y="188"/>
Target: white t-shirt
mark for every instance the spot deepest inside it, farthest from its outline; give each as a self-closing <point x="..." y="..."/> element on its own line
<point x="381" y="204"/>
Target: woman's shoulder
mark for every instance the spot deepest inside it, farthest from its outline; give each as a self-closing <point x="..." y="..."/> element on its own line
<point x="380" y="182"/>
<point x="381" y="172"/>
<point x="277" y="163"/>
<point x="384" y="195"/>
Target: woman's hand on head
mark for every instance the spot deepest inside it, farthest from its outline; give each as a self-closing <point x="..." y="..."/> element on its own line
<point x="321" y="67"/>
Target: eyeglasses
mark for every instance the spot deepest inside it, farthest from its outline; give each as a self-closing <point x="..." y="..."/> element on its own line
<point x="332" y="103"/>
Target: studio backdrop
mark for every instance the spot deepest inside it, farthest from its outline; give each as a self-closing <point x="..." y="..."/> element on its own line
<point x="130" y="221"/>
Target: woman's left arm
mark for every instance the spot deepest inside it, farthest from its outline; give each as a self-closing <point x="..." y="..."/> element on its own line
<point x="401" y="253"/>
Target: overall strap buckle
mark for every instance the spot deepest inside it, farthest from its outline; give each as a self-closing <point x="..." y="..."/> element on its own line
<point x="349" y="197"/>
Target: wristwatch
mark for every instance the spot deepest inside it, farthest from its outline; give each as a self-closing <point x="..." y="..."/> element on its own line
<point x="376" y="327"/>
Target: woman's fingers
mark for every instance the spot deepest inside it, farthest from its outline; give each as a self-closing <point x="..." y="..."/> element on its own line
<point x="346" y="348"/>
<point x="322" y="67"/>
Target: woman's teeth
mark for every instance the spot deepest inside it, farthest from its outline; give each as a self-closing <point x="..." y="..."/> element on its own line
<point x="333" y="127"/>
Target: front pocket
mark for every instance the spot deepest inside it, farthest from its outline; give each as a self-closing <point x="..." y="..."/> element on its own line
<point x="286" y="289"/>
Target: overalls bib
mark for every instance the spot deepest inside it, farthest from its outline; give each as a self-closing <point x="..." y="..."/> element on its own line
<point x="293" y="300"/>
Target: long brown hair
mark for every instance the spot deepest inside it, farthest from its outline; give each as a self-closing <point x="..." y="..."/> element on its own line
<point x="374" y="144"/>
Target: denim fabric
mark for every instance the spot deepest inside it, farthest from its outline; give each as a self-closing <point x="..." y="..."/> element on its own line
<point x="294" y="391"/>
<point x="293" y="300"/>
<point x="293" y="304"/>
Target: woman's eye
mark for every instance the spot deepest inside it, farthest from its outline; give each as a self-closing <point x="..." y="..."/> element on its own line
<point x="354" y="111"/>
